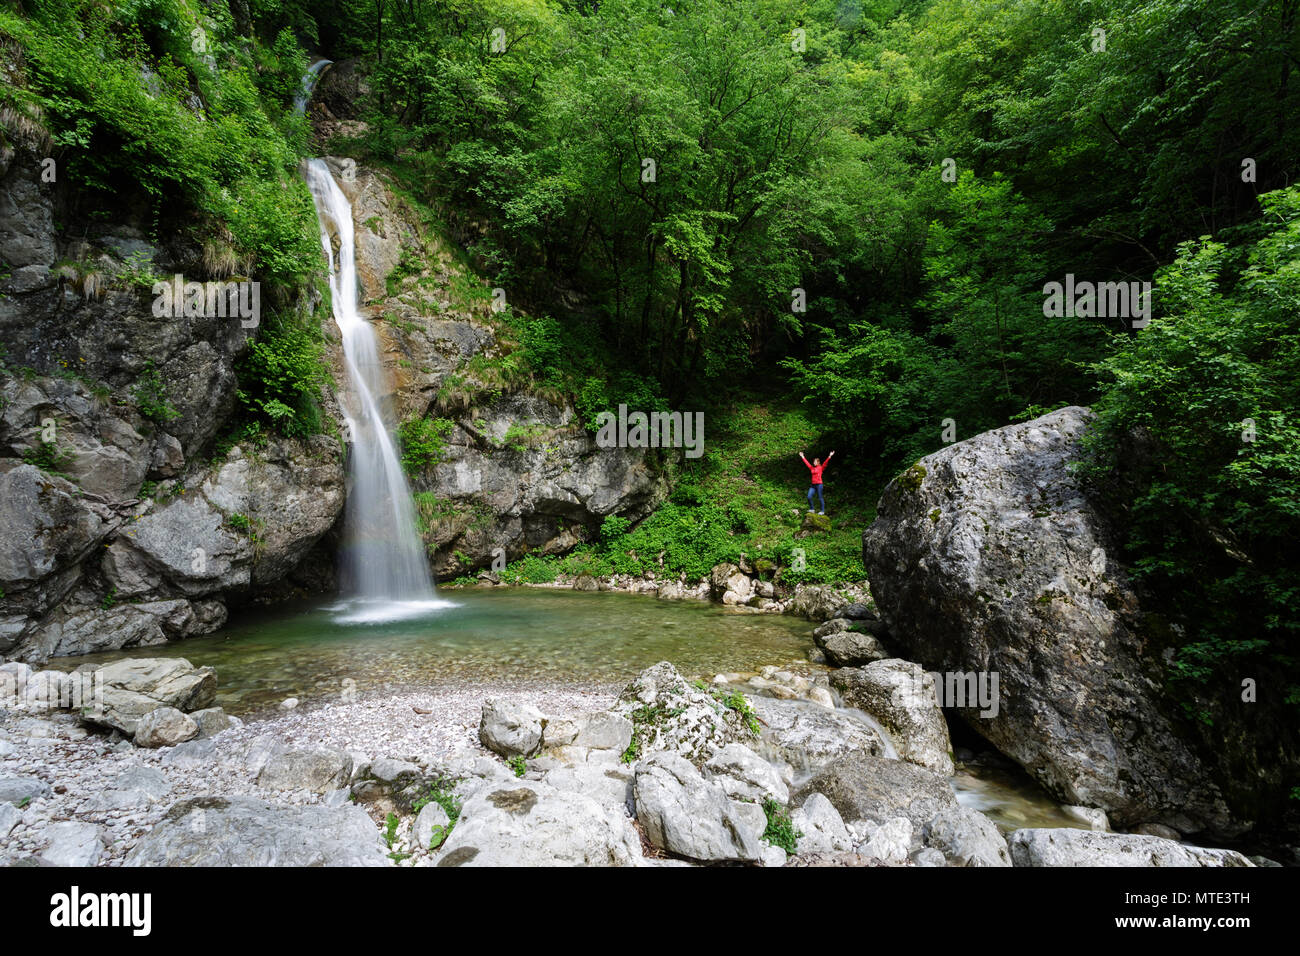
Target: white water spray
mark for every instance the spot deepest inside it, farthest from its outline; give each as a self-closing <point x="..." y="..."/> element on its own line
<point x="384" y="560"/>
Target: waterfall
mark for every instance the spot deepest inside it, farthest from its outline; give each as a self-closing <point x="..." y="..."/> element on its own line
<point x="385" y="568"/>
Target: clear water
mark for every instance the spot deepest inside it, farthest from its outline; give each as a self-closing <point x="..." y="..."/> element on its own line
<point x="506" y="636"/>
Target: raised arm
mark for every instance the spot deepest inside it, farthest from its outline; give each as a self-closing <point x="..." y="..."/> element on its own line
<point x="805" y="461"/>
<point x="829" y="457"/>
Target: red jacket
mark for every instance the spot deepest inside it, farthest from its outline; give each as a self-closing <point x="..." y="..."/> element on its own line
<point x="816" y="471"/>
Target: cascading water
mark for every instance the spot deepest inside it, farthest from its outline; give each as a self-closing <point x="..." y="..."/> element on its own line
<point x="385" y="569"/>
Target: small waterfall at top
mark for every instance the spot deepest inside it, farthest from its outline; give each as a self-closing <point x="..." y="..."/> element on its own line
<point x="385" y="568"/>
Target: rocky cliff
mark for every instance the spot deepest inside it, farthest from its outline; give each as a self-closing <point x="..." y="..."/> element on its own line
<point x="128" y="517"/>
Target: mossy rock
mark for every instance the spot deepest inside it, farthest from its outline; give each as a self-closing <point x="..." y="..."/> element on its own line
<point x="816" y="523"/>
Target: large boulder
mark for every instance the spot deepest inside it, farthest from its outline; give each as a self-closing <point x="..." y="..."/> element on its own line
<point x="669" y="714"/>
<point x="966" y="837"/>
<point x="127" y="690"/>
<point x="987" y="557"/>
<point x="809" y="736"/>
<point x="690" y="816"/>
<point x="245" y="831"/>
<point x="744" y="775"/>
<point x="877" y="790"/>
<point x="1069" y="847"/>
<point x="901" y="696"/>
<point x="530" y="824"/>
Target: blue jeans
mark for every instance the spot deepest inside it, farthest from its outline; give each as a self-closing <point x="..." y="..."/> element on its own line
<point x="818" y="490"/>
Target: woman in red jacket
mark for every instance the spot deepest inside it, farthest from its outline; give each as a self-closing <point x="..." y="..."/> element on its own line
<point x="816" y="469"/>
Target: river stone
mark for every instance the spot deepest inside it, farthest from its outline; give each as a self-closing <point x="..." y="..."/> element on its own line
<point x="510" y="728"/>
<point x="817" y="602"/>
<point x="10" y="817"/>
<point x="889" y="842"/>
<point x="73" y="844"/>
<point x="988" y="557"/>
<point x="532" y="824"/>
<point x="1070" y="847"/>
<point x="320" y="770"/>
<point x="901" y="696"/>
<point x="876" y="789"/>
<point x="809" y="736"/>
<point x="430" y="821"/>
<point x="1158" y="830"/>
<point x="245" y="831"/>
<point x="966" y="837"/>
<point x="1090" y="817"/>
<point x="852" y="648"/>
<point x="671" y="715"/>
<point x="134" y="687"/>
<point x="690" y="816"/>
<point x="833" y="626"/>
<point x="211" y="721"/>
<point x="745" y="775"/>
<point x="164" y="727"/>
<point x="15" y="790"/>
<point x="820" y="827"/>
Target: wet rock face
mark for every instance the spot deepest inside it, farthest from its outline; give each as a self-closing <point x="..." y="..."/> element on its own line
<point x="987" y="557"/>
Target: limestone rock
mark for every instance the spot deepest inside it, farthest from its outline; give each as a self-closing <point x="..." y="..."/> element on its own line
<point x="966" y="837"/>
<point x="745" y="775"/>
<point x="510" y="728"/>
<point x="988" y="557"/>
<point x="164" y="727"/>
<point x="245" y="831"/>
<point x="686" y="814"/>
<point x="320" y="770"/>
<point x="1070" y="847"/>
<point x="528" y="824"/>
<point x="901" y="696"/>
<point x="820" y="826"/>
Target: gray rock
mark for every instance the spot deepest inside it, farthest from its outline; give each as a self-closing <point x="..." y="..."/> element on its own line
<point x="16" y="790"/>
<point x="809" y="736"/>
<point x="211" y="721"/>
<point x="319" y="771"/>
<point x="609" y="784"/>
<point x="164" y="727"/>
<point x="966" y="837"/>
<point x="1158" y="830"/>
<point x="1070" y="847"/>
<point x="671" y="715"/>
<point x="510" y="728"/>
<point x="852" y="648"/>
<point x="743" y="774"/>
<point x="134" y="687"/>
<point x="875" y="789"/>
<point x="10" y="817"/>
<point x="532" y="824"/>
<point x="987" y="557"/>
<point x="820" y="827"/>
<point x="889" y="842"/>
<point x="191" y="754"/>
<point x="773" y="855"/>
<point x="245" y="831"/>
<point x="928" y="856"/>
<point x="74" y="844"/>
<point x="687" y="815"/>
<point x="1090" y="817"/>
<point x="901" y="696"/>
